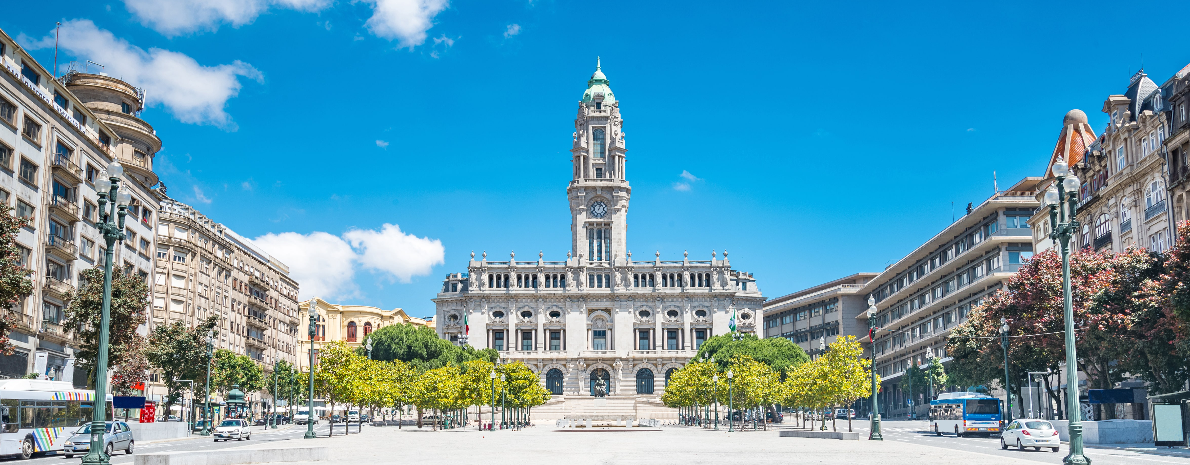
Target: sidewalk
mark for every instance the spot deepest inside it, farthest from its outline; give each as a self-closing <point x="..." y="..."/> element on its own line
<point x="546" y="445"/>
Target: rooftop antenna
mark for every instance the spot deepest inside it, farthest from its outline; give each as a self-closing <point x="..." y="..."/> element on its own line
<point x="88" y="68"/>
<point x="952" y="211"/>
<point x="995" y="183"/>
<point x="57" y="26"/>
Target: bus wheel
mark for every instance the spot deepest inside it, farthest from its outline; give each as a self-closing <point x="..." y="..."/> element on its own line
<point x="26" y="448"/>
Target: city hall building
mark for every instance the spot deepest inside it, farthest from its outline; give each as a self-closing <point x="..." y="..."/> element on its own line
<point x="601" y="313"/>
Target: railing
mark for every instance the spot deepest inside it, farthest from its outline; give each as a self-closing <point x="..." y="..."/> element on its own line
<point x="64" y="164"/>
<point x="58" y="286"/>
<point x="1126" y="226"/>
<point x="53" y="328"/>
<point x="1154" y="210"/>
<point x="62" y="244"/>
<point x="1102" y="241"/>
<point x="65" y="205"/>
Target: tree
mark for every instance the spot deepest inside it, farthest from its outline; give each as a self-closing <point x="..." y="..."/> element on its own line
<point x="753" y="385"/>
<point x="133" y="370"/>
<point x="421" y="347"/>
<point x="778" y="353"/>
<point x="130" y="298"/>
<point x="15" y="284"/>
<point x="338" y="373"/>
<point x="935" y="374"/>
<point x="231" y="370"/>
<point x="1175" y="281"/>
<point x="849" y="373"/>
<point x="178" y="353"/>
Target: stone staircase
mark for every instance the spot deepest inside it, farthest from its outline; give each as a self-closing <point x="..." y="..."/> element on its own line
<point x="637" y="407"/>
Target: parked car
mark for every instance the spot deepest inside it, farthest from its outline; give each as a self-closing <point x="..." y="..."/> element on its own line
<point x="336" y="418"/>
<point x="775" y="417"/>
<point x="844" y="412"/>
<point x="198" y="425"/>
<point x="234" y="428"/>
<point x="353" y="415"/>
<point x="1030" y="433"/>
<point x="117" y="436"/>
<point x="364" y="418"/>
<point x="303" y="418"/>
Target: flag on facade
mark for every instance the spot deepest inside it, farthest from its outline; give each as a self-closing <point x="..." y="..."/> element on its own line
<point x="466" y="327"/>
<point x="731" y="322"/>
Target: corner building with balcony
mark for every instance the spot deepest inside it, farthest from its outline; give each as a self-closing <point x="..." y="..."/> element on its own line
<point x="205" y="269"/>
<point x="599" y="314"/>
<point x="921" y="297"/>
<point x="813" y="318"/>
<point x="56" y="134"/>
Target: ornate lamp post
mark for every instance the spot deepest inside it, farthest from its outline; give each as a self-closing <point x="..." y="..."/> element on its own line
<point x="715" y="383"/>
<point x="111" y="225"/>
<point x="310" y="402"/>
<point x="493" y="404"/>
<point x="206" y="414"/>
<point x="1007" y="391"/>
<point x="503" y="398"/>
<point x="273" y="413"/>
<point x="874" y="434"/>
<point x="1063" y="205"/>
<point x="730" y="423"/>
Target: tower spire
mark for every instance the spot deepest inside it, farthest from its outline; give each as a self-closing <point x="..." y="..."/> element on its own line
<point x="596" y="63"/>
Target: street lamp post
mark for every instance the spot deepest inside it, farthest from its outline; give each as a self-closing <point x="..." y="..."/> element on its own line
<point x="1007" y="390"/>
<point x="874" y="434"/>
<point x="730" y="407"/>
<point x="206" y="411"/>
<point x="1063" y="205"/>
<point x="715" y="383"/>
<point x="273" y="413"/>
<point x="310" y="402"/>
<point x="107" y="185"/>
<point x="503" y="398"/>
<point x="493" y="403"/>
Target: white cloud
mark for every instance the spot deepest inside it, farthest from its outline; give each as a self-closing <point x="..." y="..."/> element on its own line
<point x="175" y="17"/>
<point x="200" y="196"/>
<point x="382" y="144"/>
<point x="689" y="177"/>
<point x="324" y="264"/>
<point x="191" y="92"/>
<point x="687" y="180"/>
<point x="681" y="186"/>
<point x="321" y="263"/>
<point x="246" y="185"/>
<point x="444" y="40"/>
<point x="397" y="253"/>
<point x="970" y="129"/>
<point x="513" y="29"/>
<point x="405" y="21"/>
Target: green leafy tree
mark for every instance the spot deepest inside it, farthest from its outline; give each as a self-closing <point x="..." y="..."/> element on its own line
<point x="130" y="298"/>
<point x="179" y="352"/>
<point x="231" y="370"/>
<point x="421" y="347"/>
<point x="15" y="284"/>
<point x="778" y="353"/>
<point x="935" y="374"/>
<point x="133" y="370"/>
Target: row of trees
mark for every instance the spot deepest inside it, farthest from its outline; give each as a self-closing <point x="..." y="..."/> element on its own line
<point x="770" y="376"/>
<point x="1132" y="310"/>
<point x="345" y="376"/>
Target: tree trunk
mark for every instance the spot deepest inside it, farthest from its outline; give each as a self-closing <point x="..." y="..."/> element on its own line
<point x="849" y="421"/>
<point x="419" y="421"/>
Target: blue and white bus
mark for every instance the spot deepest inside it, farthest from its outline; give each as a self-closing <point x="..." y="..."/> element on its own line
<point x="965" y="413"/>
<point x="38" y="416"/>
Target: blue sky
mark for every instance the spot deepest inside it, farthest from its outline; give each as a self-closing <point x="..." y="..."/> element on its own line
<point x="374" y="144"/>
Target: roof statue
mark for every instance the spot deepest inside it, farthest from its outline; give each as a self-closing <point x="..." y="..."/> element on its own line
<point x="1073" y="142"/>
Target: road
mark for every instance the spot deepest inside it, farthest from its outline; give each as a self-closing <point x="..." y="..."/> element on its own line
<point x="916" y="432"/>
<point x="260" y="434"/>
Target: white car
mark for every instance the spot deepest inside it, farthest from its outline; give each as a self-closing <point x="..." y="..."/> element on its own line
<point x="1030" y="433"/>
<point x="353" y="415"/>
<point x="232" y="429"/>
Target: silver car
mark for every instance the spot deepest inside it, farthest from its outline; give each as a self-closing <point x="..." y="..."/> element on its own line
<point x="232" y="429"/>
<point x="117" y="437"/>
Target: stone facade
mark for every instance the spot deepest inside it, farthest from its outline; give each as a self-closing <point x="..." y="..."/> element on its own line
<point x="347" y="323"/>
<point x="923" y="296"/>
<point x="1122" y="202"/>
<point x="1177" y="145"/>
<point x="599" y="313"/>
<point x="815" y="317"/>
<point x="55" y="136"/>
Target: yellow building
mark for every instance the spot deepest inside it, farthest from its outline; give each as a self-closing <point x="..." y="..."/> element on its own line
<point x="347" y="323"/>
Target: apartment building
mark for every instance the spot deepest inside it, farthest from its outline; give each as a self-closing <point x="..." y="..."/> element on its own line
<point x="923" y="296"/>
<point x="1177" y="145"/>
<point x="815" y="317"/>
<point x="1122" y="201"/>
<point x="206" y="269"/>
<point x="56" y="134"/>
<point x="346" y="323"/>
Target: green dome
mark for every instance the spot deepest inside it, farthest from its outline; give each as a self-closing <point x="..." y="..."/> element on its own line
<point x="235" y="396"/>
<point x="598" y="84"/>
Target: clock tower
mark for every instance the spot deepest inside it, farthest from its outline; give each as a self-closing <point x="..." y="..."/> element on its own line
<point x="599" y="190"/>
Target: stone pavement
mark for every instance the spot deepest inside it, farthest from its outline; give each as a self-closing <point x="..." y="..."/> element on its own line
<point x="677" y="445"/>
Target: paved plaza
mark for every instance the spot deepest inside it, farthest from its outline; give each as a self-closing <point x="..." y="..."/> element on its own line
<point x="905" y="445"/>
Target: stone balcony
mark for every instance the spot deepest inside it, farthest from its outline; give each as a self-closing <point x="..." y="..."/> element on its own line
<point x="65" y="208"/>
<point x="57" y="287"/>
<point x="66" y="168"/>
<point x="62" y="247"/>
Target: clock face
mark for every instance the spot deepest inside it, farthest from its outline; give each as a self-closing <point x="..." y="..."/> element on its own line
<point x="598" y="210"/>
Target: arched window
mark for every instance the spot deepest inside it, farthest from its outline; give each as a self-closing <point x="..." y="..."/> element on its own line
<point x="644" y="381"/>
<point x="600" y="373"/>
<point x="368" y="328"/>
<point x="553" y="381"/>
<point x="668" y="374"/>
<point x="351" y="331"/>
<point x="1102" y="226"/>
<point x="598" y="143"/>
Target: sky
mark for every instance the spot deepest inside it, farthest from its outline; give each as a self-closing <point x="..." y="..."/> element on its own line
<point x="372" y="145"/>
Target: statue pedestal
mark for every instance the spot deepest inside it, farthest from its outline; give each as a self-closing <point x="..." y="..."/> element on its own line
<point x="600" y="402"/>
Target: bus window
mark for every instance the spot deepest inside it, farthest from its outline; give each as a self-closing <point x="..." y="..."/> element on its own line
<point x="983" y="406"/>
<point x="26" y="418"/>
